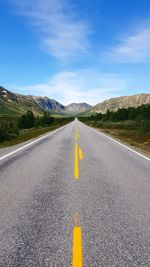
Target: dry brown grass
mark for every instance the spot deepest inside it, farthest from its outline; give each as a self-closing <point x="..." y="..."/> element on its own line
<point x="132" y="138"/>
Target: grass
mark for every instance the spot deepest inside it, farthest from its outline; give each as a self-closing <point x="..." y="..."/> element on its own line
<point x="127" y="132"/>
<point x="5" y="119"/>
<point x="18" y="136"/>
<point x="28" y="134"/>
<point x="131" y="137"/>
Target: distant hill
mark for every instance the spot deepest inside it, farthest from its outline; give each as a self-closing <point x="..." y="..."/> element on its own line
<point x="11" y="103"/>
<point x="76" y="108"/>
<point x="46" y="103"/>
<point x="18" y="104"/>
<point x="113" y="104"/>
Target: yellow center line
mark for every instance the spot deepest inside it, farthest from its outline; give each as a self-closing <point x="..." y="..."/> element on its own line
<point x="80" y="154"/>
<point x="77" y="135"/>
<point x="77" y="247"/>
<point x="77" y="234"/>
<point x="76" y="162"/>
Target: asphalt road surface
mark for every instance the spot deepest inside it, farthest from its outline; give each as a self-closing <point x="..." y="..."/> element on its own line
<point x="74" y="198"/>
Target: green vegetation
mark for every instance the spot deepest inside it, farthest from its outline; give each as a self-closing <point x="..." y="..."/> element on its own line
<point x="14" y="130"/>
<point x="131" y="125"/>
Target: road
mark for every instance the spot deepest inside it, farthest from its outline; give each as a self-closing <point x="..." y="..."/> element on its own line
<point x="74" y="198"/>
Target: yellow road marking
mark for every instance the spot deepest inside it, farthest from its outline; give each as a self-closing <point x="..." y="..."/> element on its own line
<point x="77" y="247"/>
<point x="76" y="219"/>
<point x="80" y="154"/>
<point x="77" y="135"/>
<point x="76" y="162"/>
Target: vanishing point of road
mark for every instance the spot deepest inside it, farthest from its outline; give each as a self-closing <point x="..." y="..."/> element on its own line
<point x="74" y="197"/>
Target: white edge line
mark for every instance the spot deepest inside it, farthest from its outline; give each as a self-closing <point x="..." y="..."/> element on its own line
<point x="31" y="143"/>
<point x="119" y="143"/>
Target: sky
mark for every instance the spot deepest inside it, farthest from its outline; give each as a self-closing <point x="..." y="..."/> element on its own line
<point x="75" y="50"/>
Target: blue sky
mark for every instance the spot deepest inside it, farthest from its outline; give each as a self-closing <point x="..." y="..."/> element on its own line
<point x="75" y="50"/>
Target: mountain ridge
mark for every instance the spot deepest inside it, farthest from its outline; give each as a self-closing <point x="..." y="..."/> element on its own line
<point x="17" y="103"/>
<point x="77" y="107"/>
<point x="113" y="104"/>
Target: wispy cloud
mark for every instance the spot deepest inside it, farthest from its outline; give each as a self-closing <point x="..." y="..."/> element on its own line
<point x="62" y="33"/>
<point x="81" y="86"/>
<point x="132" y="49"/>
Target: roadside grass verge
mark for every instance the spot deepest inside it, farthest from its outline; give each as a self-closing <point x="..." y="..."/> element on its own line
<point x="129" y="132"/>
<point x="26" y="135"/>
<point x="131" y="137"/>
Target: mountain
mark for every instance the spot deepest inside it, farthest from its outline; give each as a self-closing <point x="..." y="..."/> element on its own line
<point x="48" y="104"/>
<point x="114" y="104"/>
<point x="76" y="108"/>
<point x="11" y="103"/>
<point x="18" y="104"/>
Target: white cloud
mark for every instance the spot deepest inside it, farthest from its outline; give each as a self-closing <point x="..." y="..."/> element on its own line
<point x="62" y="33"/>
<point x="81" y="86"/>
<point x="132" y="49"/>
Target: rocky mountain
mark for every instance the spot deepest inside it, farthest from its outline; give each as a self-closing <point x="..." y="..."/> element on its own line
<point x="114" y="104"/>
<point x="11" y="103"/>
<point x="76" y="108"/>
<point x="17" y="103"/>
<point x="46" y="103"/>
